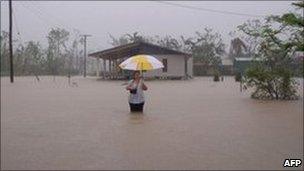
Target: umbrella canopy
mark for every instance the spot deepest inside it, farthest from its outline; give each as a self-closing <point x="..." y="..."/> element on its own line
<point x="141" y="62"/>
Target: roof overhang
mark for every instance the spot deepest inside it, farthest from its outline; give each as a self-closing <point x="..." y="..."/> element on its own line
<point x="134" y="49"/>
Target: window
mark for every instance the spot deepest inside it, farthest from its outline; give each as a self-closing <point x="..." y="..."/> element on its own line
<point x="165" y="63"/>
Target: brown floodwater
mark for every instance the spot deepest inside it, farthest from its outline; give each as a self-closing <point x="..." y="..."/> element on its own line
<point x="195" y="124"/>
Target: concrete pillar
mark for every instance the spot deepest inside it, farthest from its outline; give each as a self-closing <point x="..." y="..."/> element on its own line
<point x="110" y="67"/>
<point x="116" y="66"/>
<point x="104" y="68"/>
<point x="186" y="66"/>
<point x="113" y="65"/>
<point x="97" y="66"/>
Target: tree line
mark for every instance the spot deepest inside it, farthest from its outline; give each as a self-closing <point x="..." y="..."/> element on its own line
<point x="63" y="54"/>
<point x="58" y="58"/>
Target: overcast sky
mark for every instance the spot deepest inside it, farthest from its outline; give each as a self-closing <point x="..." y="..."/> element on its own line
<point x="33" y="19"/>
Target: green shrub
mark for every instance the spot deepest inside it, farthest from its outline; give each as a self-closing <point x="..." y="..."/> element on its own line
<point x="271" y="83"/>
<point x="238" y="77"/>
<point x="216" y="76"/>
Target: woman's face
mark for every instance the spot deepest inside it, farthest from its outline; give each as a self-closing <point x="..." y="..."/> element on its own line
<point x="136" y="75"/>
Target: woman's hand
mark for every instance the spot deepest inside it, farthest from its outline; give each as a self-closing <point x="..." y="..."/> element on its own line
<point x="144" y="87"/>
<point x="128" y="88"/>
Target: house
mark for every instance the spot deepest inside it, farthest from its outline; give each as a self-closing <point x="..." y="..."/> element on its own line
<point x="176" y="64"/>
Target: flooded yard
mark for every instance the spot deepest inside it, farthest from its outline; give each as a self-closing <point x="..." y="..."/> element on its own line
<point x="195" y="124"/>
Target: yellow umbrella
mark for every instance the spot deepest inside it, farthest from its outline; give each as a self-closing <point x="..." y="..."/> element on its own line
<point x="141" y="62"/>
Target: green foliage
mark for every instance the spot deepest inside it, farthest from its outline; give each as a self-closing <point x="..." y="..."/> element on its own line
<point x="238" y="77"/>
<point x="166" y="41"/>
<point x="206" y="47"/>
<point x="129" y="38"/>
<point x="299" y="4"/>
<point x="273" y="77"/>
<point x="216" y="77"/>
<point x="30" y="58"/>
<point x="57" y="39"/>
<point x="169" y="42"/>
<point x="4" y="52"/>
<point x="271" y="83"/>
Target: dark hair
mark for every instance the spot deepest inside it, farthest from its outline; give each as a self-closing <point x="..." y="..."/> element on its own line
<point x="135" y="73"/>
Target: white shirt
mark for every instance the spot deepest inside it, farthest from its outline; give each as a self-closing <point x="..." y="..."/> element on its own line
<point x="139" y="96"/>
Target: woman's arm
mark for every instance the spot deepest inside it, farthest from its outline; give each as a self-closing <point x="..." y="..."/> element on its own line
<point x="129" y="86"/>
<point x="144" y="87"/>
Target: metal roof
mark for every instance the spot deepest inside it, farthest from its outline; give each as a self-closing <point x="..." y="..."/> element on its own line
<point x="247" y="59"/>
<point x="134" y="49"/>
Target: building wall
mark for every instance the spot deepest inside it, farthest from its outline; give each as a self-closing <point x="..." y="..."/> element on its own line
<point x="208" y="70"/>
<point x="241" y="66"/>
<point x="190" y="66"/>
<point x="176" y="66"/>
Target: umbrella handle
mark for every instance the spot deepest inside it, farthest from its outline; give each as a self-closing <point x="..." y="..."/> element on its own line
<point x="141" y="71"/>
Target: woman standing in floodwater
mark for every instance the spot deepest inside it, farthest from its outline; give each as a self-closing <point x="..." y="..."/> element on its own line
<point x="136" y="86"/>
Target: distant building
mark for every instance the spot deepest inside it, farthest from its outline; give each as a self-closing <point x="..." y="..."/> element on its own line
<point x="240" y="64"/>
<point x="225" y="67"/>
<point x="177" y="64"/>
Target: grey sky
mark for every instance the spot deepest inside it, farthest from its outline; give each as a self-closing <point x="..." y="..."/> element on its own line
<point x="33" y="19"/>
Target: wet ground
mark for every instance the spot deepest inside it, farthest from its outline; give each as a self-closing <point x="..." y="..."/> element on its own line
<point x="196" y="124"/>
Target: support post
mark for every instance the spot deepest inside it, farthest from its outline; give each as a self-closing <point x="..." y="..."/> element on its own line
<point x="116" y="68"/>
<point x="110" y="67"/>
<point x="11" y="41"/>
<point x="186" y="67"/>
<point x="97" y="66"/>
<point x="104" y="68"/>
<point x="85" y="55"/>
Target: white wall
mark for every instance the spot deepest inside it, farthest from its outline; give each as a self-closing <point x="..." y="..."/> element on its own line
<point x="176" y="66"/>
<point x="190" y="67"/>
